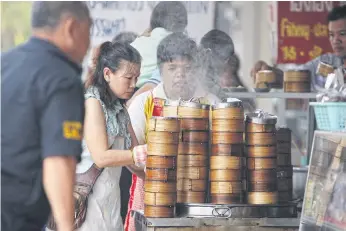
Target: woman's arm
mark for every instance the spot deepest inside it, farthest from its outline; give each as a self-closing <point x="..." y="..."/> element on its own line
<point x="95" y="135"/>
<point x="133" y="168"/>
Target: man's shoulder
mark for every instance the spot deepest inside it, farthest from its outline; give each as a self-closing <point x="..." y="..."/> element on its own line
<point x="139" y="101"/>
<point x="328" y="58"/>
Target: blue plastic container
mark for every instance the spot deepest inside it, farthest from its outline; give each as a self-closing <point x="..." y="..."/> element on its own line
<point x="330" y="116"/>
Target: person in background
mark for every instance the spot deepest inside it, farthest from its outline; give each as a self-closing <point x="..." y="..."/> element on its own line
<point x="125" y="37"/>
<point x="167" y="17"/>
<point x="42" y="113"/>
<point x="219" y="65"/>
<point x="109" y="141"/>
<point x="126" y="175"/>
<point x="337" y="37"/>
<point x="176" y="57"/>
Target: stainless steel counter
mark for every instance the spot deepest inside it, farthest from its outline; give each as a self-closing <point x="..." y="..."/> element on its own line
<point x="211" y="224"/>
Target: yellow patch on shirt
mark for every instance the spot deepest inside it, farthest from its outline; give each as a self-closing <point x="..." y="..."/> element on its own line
<point x="72" y="130"/>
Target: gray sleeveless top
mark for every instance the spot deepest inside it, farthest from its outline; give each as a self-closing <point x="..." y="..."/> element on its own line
<point x="117" y="121"/>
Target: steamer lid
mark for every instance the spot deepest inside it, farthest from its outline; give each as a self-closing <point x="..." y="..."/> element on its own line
<point x="260" y="117"/>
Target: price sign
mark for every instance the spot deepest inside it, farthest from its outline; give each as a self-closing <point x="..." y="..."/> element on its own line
<point x="302" y="30"/>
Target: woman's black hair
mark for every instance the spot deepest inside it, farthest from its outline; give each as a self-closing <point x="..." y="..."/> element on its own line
<point x="125" y="37"/>
<point x="219" y="43"/>
<point x="338" y="12"/>
<point x="111" y="55"/>
<point x="174" y="46"/>
<point x="171" y="16"/>
<point x="215" y="51"/>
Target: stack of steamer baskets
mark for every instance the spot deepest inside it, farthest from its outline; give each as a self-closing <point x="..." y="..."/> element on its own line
<point x="160" y="192"/>
<point x="261" y="155"/>
<point x="285" y="168"/>
<point x="226" y="161"/>
<point x="192" y="173"/>
<point x="297" y="81"/>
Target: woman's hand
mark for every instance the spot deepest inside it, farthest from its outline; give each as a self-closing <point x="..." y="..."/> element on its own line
<point x="140" y="155"/>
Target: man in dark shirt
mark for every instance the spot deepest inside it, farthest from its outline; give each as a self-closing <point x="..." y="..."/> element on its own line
<point x="42" y="112"/>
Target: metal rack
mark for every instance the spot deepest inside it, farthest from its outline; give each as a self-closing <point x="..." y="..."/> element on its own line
<point x="283" y="113"/>
<point x="236" y="224"/>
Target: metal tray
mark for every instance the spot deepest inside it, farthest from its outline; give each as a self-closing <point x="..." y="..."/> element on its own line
<point x="237" y="210"/>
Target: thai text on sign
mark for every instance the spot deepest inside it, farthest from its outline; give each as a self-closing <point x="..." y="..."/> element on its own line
<point x="302" y="30"/>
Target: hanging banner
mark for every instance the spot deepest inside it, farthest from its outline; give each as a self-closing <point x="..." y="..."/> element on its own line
<point x="302" y="30"/>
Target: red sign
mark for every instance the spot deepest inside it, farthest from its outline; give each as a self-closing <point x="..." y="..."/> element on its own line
<point x="302" y="30"/>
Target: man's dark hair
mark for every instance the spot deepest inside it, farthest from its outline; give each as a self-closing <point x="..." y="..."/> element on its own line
<point x="337" y="13"/>
<point x="171" y="16"/>
<point x="125" y="37"/>
<point x="176" y="46"/>
<point x="48" y="14"/>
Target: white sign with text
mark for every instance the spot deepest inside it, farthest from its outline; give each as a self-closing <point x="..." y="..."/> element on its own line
<point x="113" y="17"/>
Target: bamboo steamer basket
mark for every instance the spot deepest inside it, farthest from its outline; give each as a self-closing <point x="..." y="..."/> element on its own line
<point x="227" y="138"/>
<point x="160" y="199"/>
<point x="265" y="76"/>
<point x="284" y="159"/>
<point x="259" y="117"/>
<point x="187" y="148"/>
<point x="285" y="184"/>
<point x="296" y="87"/>
<point x="230" y="108"/>
<point x="267" y="175"/>
<point x="227" y="125"/>
<point x="227" y="149"/>
<point x="193" y="173"/>
<point x="161" y="174"/>
<point x="192" y="185"/>
<point x="160" y="186"/>
<point x="226" y="162"/>
<point x="283" y="135"/>
<point x="253" y="128"/>
<point x="164" y="124"/>
<point x="159" y="211"/>
<point x="297" y="81"/>
<point x="192" y="160"/>
<point x="195" y="136"/>
<point x="285" y="196"/>
<point x="283" y="148"/>
<point x="190" y="197"/>
<point x="163" y="137"/>
<point x="260" y="138"/>
<point x="285" y="171"/>
<point x="236" y="198"/>
<point x="297" y="76"/>
<point x="262" y="198"/>
<point x="168" y="162"/>
<point x="182" y="109"/>
<point x="229" y="187"/>
<point x="194" y="124"/>
<point x="262" y="186"/>
<point x="170" y="108"/>
<point x="261" y="163"/>
<point x="261" y="151"/>
<point x="324" y="69"/>
<point x="155" y="149"/>
<point x="227" y="175"/>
